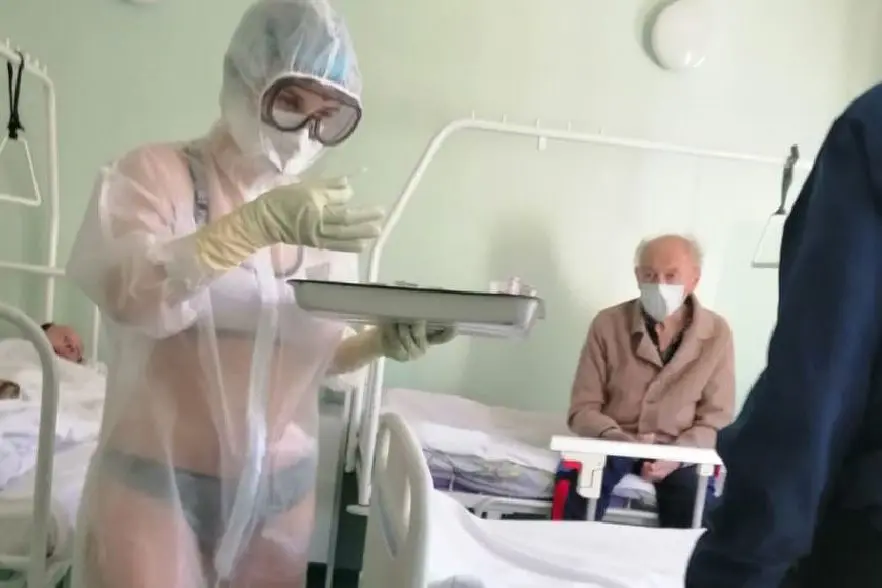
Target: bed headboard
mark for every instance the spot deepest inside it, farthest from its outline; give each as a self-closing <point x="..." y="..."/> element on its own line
<point x="49" y="270"/>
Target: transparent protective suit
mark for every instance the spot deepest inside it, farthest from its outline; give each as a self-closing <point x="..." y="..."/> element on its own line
<point x="206" y="466"/>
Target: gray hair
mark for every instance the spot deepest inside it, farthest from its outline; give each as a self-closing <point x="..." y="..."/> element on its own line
<point x="692" y="244"/>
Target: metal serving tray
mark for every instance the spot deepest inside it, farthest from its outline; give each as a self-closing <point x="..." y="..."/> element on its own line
<point x="478" y="314"/>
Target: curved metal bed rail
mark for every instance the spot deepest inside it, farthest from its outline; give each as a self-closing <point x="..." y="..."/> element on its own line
<point x="30" y="330"/>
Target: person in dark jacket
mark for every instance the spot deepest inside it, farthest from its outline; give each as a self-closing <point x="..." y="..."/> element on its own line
<point x="802" y="505"/>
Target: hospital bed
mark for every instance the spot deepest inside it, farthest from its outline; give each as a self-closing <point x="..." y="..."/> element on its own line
<point x="47" y="436"/>
<point x="418" y="537"/>
<point x="496" y="460"/>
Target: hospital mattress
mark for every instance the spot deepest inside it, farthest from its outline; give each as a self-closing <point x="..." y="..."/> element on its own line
<point x="491" y="450"/>
<point x="464" y="550"/>
<point x="16" y="504"/>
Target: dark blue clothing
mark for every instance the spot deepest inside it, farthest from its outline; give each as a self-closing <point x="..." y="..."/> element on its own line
<point x="804" y="457"/>
<point x="675" y="495"/>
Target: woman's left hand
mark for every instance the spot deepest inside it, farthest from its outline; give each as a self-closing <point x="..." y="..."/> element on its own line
<point x="409" y="341"/>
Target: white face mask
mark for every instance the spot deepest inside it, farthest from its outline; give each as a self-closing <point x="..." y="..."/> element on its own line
<point x="661" y="300"/>
<point x="284" y="153"/>
<point x="291" y="153"/>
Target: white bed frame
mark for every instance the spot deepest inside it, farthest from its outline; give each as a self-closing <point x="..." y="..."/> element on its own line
<point x="364" y="406"/>
<point x="39" y="572"/>
<point x="398" y="533"/>
<point x="35" y="564"/>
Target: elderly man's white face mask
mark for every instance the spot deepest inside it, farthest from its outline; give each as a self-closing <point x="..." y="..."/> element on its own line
<point x="661" y="300"/>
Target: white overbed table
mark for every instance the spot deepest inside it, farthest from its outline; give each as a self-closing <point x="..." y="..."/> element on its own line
<point x="592" y="453"/>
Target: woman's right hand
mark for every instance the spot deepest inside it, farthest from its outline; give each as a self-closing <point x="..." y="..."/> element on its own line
<point x="311" y="214"/>
<point x="316" y="214"/>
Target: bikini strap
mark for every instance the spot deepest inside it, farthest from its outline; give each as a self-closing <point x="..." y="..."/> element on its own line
<point x="200" y="186"/>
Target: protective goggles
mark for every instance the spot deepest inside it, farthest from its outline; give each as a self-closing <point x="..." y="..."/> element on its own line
<point x="291" y="104"/>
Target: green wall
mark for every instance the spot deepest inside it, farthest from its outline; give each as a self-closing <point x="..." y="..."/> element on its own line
<point x="565" y="219"/>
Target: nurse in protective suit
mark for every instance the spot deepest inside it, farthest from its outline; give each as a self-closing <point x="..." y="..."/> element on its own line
<point x="206" y="467"/>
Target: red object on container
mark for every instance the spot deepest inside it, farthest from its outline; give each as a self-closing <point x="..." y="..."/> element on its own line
<point x="562" y="489"/>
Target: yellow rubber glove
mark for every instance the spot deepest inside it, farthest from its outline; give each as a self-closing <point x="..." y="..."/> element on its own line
<point x="399" y="341"/>
<point x="311" y="214"/>
<point x="410" y="341"/>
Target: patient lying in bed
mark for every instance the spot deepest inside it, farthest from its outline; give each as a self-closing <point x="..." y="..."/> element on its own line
<point x="66" y="343"/>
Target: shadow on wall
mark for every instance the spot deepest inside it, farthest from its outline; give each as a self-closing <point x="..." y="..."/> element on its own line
<point x="545" y="362"/>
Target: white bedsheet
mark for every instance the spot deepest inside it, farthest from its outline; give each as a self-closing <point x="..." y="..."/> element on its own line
<point x="80" y="404"/>
<point x="19" y="435"/>
<point x="458" y="426"/>
<point x="468" y="552"/>
<point x="17" y="503"/>
<point x="19" y="363"/>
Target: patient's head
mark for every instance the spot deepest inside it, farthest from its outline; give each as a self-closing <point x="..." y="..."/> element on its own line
<point x="669" y="259"/>
<point x="667" y="269"/>
<point x="65" y="341"/>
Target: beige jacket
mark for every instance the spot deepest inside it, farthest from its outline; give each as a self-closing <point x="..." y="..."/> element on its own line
<point x="621" y="384"/>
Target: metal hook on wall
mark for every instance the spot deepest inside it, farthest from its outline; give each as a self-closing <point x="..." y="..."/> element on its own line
<point x="787" y="177"/>
<point x="15" y="132"/>
<point x="770" y="240"/>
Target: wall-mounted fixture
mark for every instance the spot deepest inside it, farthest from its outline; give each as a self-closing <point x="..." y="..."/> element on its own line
<point x="682" y="34"/>
<point x="768" y="249"/>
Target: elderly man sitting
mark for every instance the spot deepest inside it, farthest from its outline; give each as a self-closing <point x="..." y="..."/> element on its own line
<point x="659" y="368"/>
